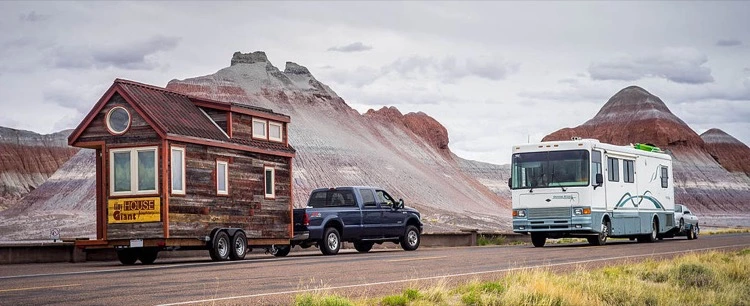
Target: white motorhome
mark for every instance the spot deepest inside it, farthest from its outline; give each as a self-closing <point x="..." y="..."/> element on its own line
<point x="584" y="188"/>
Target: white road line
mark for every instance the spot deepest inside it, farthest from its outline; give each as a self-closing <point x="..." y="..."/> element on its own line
<point x="37" y="288"/>
<point x="445" y="276"/>
<point x="416" y="258"/>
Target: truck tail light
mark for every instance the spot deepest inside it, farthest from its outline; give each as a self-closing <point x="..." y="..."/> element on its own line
<point x="306" y="220"/>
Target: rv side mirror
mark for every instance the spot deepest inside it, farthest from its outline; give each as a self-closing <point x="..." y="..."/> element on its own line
<point x="509" y="182"/>
<point x="599" y="179"/>
<point x="400" y="203"/>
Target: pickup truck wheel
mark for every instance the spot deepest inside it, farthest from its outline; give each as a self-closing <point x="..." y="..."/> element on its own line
<point x="331" y="242"/>
<point x="147" y="256"/>
<point x="220" y="247"/>
<point x="127" y="256"/>
<point x="280" y="250"/>
<point x="239" y="246"/>
<point x="690" y="234"/>
<point x="411" y="239"/>
<point x="363" y="246"/>
<point x="682" y="225"/>
<point x="696" y="230"/>
<point x="538" y="240"/>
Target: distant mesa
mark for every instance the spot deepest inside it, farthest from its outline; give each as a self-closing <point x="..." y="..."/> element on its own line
<point x="731" y="153"/>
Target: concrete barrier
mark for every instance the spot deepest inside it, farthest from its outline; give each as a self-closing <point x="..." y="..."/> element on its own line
<point x="65" y="251"/>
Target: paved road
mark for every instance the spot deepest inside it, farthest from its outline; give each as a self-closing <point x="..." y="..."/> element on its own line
<point x="263" y="279"/>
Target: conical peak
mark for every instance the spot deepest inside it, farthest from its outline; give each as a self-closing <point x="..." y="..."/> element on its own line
<point x="718" y="136"/>
<point x="249" y="58"/>
<point x="633" y="103"/>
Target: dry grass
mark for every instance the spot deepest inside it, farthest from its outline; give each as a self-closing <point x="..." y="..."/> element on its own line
<point x="721" y="231"/>
<point x="712" y="278"/>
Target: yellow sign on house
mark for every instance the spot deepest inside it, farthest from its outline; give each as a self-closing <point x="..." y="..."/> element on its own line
<point x="135" y="210"/>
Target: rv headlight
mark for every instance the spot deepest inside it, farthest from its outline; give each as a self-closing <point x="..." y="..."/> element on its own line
<point x="578" y="211"/>
<point x="519" y="213"/>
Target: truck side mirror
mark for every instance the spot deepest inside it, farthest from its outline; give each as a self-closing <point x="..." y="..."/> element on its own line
<point x="599" y="180"/>
<point x="400" y="203"/>
<point x="509" y="182"/>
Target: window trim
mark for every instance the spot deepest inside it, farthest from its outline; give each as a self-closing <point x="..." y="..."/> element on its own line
<point x="664" y="175"/>
<point x="109" y="114"/>
<point x="226" y="177"/>
<point x="265" y="128"/>
<point x="133" y="171"/>
<point x="171" y="170"/>
<point x="281" y="131"/>
<point x="628" y="172"/>
<point x="266" y="170"/>
<point x="613" y="176"/>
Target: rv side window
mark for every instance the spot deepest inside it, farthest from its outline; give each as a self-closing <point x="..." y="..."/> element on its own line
<point x="664" y="177"/>
<point x="596" y="163"/>
<point x="613" y="165"/>
<point x="628" y="171"/>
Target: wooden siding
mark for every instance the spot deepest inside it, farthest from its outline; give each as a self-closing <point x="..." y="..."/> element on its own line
<point x="200" y="210"/>
<point x="218" y="116"/>
<point x="138" y="132"/>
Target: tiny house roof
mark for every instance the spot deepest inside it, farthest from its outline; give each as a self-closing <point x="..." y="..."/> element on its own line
<point x="179" y="117"/>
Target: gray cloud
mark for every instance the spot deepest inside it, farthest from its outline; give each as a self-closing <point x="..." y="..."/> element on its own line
<point x="127" y="55"/>
<point x="679" y="65"/>
<point x="728" y="42"/>
<point x="77" y="96"/>
<point x="33" y="17"/>
<point x="353" y="47"/>
<point x="451" y="69"/>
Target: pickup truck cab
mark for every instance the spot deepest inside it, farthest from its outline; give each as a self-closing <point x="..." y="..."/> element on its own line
<point x="361" y="215"/>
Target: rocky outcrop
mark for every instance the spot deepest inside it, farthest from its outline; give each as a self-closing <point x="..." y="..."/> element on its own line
<point x="634" y="115"/>
<point x="731" y="153"/>
<point x="336" y="145"/>
<point x="27" y="159"/>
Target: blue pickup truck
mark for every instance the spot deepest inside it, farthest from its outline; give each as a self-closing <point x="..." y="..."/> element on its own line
<point x="361" y="215"/>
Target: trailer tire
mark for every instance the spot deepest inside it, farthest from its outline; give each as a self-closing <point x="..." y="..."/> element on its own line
<point x="331" y="243"/>
<point x="538" y="239"/>
<point x="411" y="239"/>
<point x="238" y="246"/>
<point x="127" y="256"/>
<point x="147" y="256"/>
<point x="281" y="251"/>
<point x="219" y="250"/>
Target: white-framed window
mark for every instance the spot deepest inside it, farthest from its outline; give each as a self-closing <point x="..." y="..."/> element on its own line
<point x="259" y="129"/>
<point x="222" y="177"/>
<point x="178" y="170"/>
<point x="133" y="171"/>
<point x="118" y="120"/>
<point x="275" y="131"/>
<point x="270" y="182"/>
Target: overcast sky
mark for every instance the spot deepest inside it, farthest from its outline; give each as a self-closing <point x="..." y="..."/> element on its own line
<point x="494" y="73"/>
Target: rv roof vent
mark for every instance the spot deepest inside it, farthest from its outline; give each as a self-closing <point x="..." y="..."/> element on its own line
<point x="575" y="138"/>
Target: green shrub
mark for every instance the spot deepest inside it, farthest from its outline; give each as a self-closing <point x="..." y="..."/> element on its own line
<point x="394" y="300"/>
<point x="695" y="275"/>
<point x="412" y="294"/>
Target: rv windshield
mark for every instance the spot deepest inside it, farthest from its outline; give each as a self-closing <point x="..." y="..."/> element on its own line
<point x="550" y="169"/>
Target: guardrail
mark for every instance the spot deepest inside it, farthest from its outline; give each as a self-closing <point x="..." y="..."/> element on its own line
<point x="65" y="251"/>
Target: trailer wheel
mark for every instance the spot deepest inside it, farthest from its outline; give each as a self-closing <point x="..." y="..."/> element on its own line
<point x="331" y="242"/>
<point x="411" y="239"/>
<point x="239" y="246"/>
<point x="363" y="246"/>
<point x="220" y="247"/>
<point x="538" y="239"/>
<point x="147" y="256"/>
<point x="127" y="256"/>
<point x="281" y="250"/>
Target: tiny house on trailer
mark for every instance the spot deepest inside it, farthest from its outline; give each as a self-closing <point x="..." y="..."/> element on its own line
<point x="180" y="172"/>
<point x="584" y="188"/>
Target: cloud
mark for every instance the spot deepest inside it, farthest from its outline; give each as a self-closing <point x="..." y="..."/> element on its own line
<point x="451" y="69"/>
<point x="728" y="42"/>
<point x="77" y="96"/>
<point x="353" y="47"/>
<point x="125" y="55"/>
<point x="679" y="65"/>
<point x="33" y="17"/>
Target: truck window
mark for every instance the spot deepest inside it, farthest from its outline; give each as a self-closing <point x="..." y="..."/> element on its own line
<point x="384" y="198"/>
<point x="367" y="198"/>
<point x="332" y="198"/>
<point x="613" y="165"/>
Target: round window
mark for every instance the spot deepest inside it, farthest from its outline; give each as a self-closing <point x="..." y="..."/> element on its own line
<point x="118" y="120"/>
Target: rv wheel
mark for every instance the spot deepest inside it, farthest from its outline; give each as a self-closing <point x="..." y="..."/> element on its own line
<point x="538" y="239"/>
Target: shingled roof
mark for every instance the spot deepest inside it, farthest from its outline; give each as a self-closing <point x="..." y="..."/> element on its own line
<point x="175" y="114"/>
